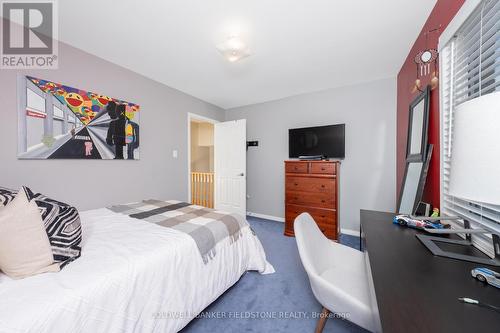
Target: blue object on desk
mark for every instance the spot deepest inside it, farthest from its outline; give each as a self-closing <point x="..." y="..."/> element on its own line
<point x="406" y="220"/>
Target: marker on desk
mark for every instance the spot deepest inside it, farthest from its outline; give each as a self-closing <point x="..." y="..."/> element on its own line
<point x="475" y="301"/>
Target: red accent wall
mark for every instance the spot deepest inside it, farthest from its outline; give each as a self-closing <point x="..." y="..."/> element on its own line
<point x="442" y="14"/>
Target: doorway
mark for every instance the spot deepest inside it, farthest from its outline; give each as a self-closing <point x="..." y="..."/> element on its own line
<point x="217" y="163"/>
<point x="201" y="160"/>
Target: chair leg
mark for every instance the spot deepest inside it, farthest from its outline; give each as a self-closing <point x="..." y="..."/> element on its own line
<point x="322" y="320"/>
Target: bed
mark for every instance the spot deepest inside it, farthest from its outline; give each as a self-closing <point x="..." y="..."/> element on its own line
<point x="134" y="274"/>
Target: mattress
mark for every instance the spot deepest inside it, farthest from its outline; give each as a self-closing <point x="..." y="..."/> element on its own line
<point x="132" y="276"/>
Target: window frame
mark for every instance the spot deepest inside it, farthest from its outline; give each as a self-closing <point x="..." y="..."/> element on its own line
<point x="478" y="214"/>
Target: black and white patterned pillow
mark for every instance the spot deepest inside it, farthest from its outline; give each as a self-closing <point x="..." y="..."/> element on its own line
<point x="6" y="195"/>
<point x="63" y="227"/>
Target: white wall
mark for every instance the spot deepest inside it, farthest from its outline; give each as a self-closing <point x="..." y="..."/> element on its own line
<point x="368" y="172"/>
<point x="91" y="184"/>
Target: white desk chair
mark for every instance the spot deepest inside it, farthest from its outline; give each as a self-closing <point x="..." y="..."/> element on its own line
<point x="337" y="274"/>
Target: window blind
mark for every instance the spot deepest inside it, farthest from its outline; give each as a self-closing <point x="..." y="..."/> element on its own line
<point x="470" y="67"/>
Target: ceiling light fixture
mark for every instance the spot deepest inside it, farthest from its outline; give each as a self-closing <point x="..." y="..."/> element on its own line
<point x="234" y="49"/>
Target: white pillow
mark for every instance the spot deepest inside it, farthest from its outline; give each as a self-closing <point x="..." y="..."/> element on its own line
<point x="24" y="245"/>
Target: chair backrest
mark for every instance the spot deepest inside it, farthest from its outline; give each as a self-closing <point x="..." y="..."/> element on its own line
<point x="318" y="254"/>
<point x="312" y="244"/>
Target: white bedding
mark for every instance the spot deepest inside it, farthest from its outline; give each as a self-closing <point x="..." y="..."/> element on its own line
<point x="133" y="276"/>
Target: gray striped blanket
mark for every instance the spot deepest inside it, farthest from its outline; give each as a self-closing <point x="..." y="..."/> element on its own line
<point x="206" y="226"/>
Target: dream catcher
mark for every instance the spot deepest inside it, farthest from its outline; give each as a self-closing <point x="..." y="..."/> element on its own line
<point x="426" y="62"/>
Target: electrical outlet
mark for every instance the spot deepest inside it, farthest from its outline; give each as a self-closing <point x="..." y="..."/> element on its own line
<point x="252" y="143"/>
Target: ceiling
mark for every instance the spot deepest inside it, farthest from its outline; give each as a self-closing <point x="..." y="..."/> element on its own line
<point x="297" y="46"/>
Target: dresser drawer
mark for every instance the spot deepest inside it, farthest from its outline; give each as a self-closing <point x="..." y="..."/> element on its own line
<point x="324" y="200"/>
<point x="312" y="187"/>
<point x="329" y="232"/>
<point x="323" y="168"/>
<point x="327" y="218"/>
<point x="296" y="167"/>
<point x="310" y="184"/>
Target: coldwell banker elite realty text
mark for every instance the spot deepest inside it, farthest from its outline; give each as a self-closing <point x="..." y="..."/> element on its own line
<point x="29" y="35"/>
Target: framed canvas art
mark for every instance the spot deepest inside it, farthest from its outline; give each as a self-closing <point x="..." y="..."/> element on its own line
<point x="61" y="122"/>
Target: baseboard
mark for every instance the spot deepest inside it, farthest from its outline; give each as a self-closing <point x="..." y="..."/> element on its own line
<point x="349" y="232"/>
<point x="267" y="217"/>
<point x="281" y="219"/>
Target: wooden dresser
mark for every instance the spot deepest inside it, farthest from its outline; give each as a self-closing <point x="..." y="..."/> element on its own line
<point x="312" y="187"/>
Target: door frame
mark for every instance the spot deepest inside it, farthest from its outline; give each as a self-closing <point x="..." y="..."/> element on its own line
<point x="193" y="116"/>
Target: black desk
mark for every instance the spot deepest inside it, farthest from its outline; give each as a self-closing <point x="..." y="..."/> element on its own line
<point x="416" y="291"/>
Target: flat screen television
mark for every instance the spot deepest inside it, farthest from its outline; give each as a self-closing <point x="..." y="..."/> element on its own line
<point x="328" y="141"/>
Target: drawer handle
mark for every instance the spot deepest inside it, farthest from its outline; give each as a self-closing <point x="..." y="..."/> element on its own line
<point x="296" y="184"/>
<point x="323" y="216"/>
<point x="296" y="198"/>
<point x="296" y="168"/>
<point x="322" y="200"/>
<point x="323" y="169"/>
<point x="322" y="186"/>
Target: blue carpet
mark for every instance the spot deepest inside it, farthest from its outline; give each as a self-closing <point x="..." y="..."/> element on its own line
<point x="283" y="300"/>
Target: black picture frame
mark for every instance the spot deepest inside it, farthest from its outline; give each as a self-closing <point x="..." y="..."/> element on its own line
<point x="420" y="156"/>
<point x="421" y="183"/>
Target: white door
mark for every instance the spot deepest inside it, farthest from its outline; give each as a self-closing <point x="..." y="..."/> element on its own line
<point x="230" y="154"/>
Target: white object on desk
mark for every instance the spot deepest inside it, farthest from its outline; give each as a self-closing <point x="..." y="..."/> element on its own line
<point x="475" y="154"/>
